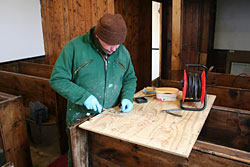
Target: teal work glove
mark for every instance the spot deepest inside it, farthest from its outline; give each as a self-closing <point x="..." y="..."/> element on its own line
<point x="92" y="103"/>
<point x="126" y="105"/>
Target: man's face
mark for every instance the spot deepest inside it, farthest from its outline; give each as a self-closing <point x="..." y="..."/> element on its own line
<point x="109" y="48"/>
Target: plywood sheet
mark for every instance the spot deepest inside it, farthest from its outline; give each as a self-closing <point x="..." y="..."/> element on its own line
<point x="147" y="125"/>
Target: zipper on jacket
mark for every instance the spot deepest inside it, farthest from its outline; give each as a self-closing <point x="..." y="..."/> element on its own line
<point x="120" y="65"/>
<point x="83" y="66"/>
<point x="105" y="59"/>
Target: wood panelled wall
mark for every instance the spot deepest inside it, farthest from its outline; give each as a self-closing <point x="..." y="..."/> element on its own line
<point x="64" y="20"/>
<point x="195" y="34"/>
<point x="138" y="16"/>
<point x="166" y="38"/>
<point x="191" y="32"/>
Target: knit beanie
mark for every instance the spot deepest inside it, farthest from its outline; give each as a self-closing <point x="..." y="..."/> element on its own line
<point x="111" y="28"/>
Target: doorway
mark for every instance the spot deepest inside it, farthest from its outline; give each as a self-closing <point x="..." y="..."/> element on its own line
<point x="156" y="38"/>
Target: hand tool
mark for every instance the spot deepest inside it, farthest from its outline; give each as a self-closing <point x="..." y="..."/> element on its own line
<point x="170" y="112"/>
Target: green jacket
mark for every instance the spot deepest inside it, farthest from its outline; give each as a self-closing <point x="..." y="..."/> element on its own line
<point x="81" y="71"/>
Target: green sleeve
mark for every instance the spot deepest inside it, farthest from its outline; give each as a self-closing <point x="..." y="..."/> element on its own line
<point x="61" y="79"/>
<point x="129" y="82"/>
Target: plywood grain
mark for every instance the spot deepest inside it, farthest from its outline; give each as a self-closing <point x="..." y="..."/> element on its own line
<point x="148" y="126"/>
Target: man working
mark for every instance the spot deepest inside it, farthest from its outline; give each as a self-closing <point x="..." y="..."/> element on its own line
<point x="94" y="71"/>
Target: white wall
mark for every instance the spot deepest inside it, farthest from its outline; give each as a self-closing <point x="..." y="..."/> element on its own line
<point x="232" y="27"/>
<point x="240" y="69"/>
<point x="156" y="23"/>
<point x="20" y="30"/>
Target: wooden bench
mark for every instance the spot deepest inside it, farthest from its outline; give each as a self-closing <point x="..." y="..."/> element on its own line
<point x="225" y="96"/>
<point x="99" y="150"/>
<point x="215" y="79"/>
<point x="13" y="133"/>
<point x="31" y="81"/>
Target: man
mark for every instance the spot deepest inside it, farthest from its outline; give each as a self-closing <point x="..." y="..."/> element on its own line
<point x="94" y="71"/>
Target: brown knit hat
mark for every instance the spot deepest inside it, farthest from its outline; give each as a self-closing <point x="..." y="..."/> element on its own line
<point x="111" y="28"/>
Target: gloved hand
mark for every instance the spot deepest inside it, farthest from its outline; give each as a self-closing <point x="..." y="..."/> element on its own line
<point x="92" y="103"/>
<point x="126" y="105"/>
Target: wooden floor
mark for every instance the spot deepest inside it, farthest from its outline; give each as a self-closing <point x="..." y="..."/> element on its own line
<point x="44" y="151"/>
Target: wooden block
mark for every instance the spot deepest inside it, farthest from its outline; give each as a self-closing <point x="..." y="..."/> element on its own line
<point x="148" y="126"/>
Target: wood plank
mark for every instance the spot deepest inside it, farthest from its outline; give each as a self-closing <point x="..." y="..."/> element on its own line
<point x="205" y="20"/>
<point x="231" y="97"/>
<point x="147" y="125"/>
<point x="30" y="87"/>
<point x="176" y="34"/>
<point x="224" y="152"/>
<point x="35" y="69"/>
<point x="115" y="152"/>
<point x="28" y="68"/>
<point x="98" y="161"/>
<point x="110" y="6"/>
<point x="225" y="96"/>
<point x="14" y="133"/>
<point x="234" y="81"/>
<point x="61" y="104"/>
<point x="228" y="127"/>
<point x="79" y="145"/>
<point x="190" y="39"/>
<point x="203" y="58"/>
<point x="218" y="79"/>
<point x="12" y="67"/>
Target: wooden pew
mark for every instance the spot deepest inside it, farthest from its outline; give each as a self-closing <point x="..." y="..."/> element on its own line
<point x="32" y="88"/>
<point x="225" y="96"/>
<point x="226" y="80"/>
<point x="28" y="68"/>
<point x="217" y="79"/>
<point x="13" y="133"/>
<point x="31" y="80"/>
<point x="228" y="127"/>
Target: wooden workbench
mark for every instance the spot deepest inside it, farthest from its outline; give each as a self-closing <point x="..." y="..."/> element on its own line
<point x="105" y="150"/>
<point x="148" y="126"/>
